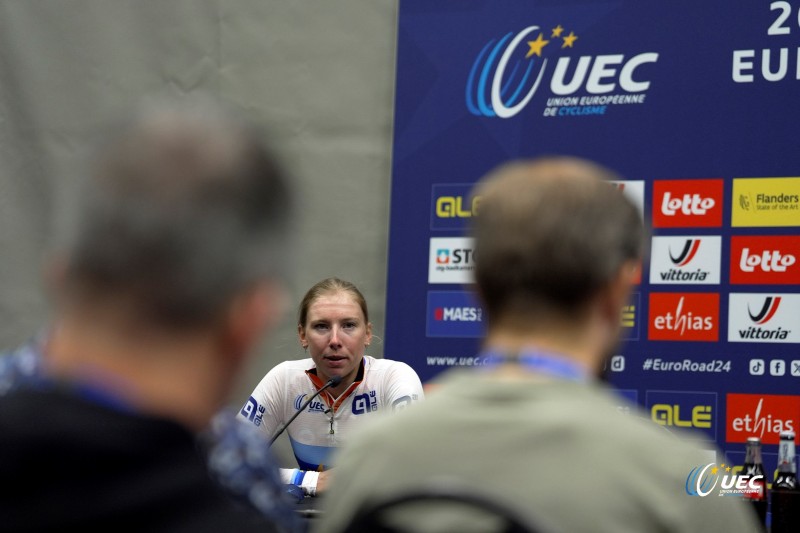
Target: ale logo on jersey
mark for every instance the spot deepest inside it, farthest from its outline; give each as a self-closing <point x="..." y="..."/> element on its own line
<point x="509" y="70"/>
<point x="451" y="260"/>
<point x="452" y="206"/>
<point x="687" y="203"/>
<point x="686" y="410"/>
<point x="688" y="260"/>
<point x="771" y="260"/>
<point x="454" y="314"/>
<point x="684" y="317"/>
<point x="759" y="317"/>
<point x="760" y="415"/>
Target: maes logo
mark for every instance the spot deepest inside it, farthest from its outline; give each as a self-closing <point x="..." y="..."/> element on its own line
<point x="687" y="203"/>
<point x="684" y="317"/>
<point x="454" y="314"/>
<point x="685" y="260"/>
<point x="507" y="73"/>
<point x="764" y="318"/>
<point x="760" y="415"/>
<point x="765" y="259"/>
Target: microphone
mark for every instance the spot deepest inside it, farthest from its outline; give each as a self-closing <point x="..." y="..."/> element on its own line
<point x="331" y="383"/>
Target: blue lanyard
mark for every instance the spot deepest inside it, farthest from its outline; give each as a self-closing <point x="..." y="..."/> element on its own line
<point x="550" y="364"/>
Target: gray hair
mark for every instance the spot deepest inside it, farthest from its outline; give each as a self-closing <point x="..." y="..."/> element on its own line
<point x="183" y="207"/>
<point x="550" y="234"/>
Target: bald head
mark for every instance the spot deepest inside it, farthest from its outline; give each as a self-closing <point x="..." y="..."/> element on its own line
<point x="551" y="233"/>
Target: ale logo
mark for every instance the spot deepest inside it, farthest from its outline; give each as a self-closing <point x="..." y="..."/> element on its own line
<point x="508" y="71"/>
<point x="760" y="415"/>
<point x="687" y="203"/>
<point x="703" y="480"/>
<point x="765" y="259"/>
<point x="764" y="318"/>
<point x="685" y="260"/>
<point x="687" y="410"/>
<point x="452" y="205"/>
<point x="684" y="317"/>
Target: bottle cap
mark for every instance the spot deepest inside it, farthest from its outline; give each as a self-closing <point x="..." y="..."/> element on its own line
<point x="787" y="435"/>
<point x="753" y="440"/>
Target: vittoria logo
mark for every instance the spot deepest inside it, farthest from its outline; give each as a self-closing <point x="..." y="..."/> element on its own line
<point x="687" y="254"/>
<point x="768" y="310"/>
<point x="685" y="260"/>
<point x="764" y="318"/>
<point x="760" y="415"/>
<point x="687" y="203"/>
<point x="684" y="317"/>
<point x="765" y="259"/>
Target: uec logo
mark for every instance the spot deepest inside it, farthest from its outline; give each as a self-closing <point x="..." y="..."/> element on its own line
<point x="490" y="93"/>
<point x="702" y="480"/>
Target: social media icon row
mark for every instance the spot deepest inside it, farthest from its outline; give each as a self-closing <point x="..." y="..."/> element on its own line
<point x="775" y="367"/>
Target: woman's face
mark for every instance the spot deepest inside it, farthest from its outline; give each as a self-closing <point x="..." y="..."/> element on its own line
<point x="336" y="334"/>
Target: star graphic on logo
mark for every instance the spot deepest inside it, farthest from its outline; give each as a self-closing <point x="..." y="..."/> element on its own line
<point x="714" y="470"/>
<point x="557" y="31"/>
<point x="536" y="46"/>
<point x="728" y="469"/>
<point x="569" y="40"/>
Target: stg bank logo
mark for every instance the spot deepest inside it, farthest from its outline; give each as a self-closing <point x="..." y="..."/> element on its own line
<point x="685" y="260"/>
<point x="508" y="71"/>
<point x="684" y="317"/>
<point x="760" y="415"/>
<point x="687" y="203"/>
<point x="765" y="259"/>
<point x="764" y="318"/>
<point x="451" y="260"/>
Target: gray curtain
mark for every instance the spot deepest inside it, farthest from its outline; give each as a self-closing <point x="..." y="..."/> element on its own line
<point x="318" y="74"/>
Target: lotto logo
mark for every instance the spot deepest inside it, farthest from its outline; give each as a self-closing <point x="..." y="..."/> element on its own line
<point x="765" y="260"/>
<point x="684" y="317"/>
<point x="687" y="203"/>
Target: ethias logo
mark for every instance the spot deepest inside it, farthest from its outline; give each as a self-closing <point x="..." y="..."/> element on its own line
<point x="760" y="415"/>
<point x="508" y="71"/>
<point x="684" y="317"/>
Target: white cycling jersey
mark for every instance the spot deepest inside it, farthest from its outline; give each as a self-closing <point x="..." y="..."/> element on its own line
<point x="381" y="386"/>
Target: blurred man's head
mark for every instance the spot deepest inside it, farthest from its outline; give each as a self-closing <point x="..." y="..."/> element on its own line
<point x="173" y="270"/>
<point x="183" y="209"/>
<point x="552" y="237"/>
